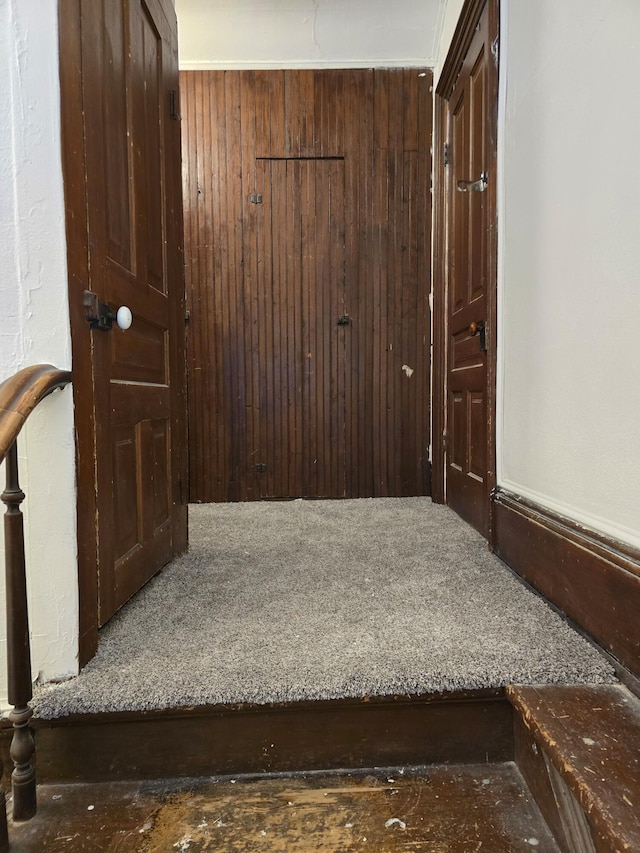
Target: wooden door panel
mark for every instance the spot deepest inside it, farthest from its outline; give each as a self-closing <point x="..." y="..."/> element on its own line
<point x="477" y="419"/>
<point x="121" y="160"/>
<point x="160" y="436"/>
<point x="478" y="237"/>
<point x="140" y="355"/>
<point x="457" y="430"/>
<point x="469" y="284"/>
<point x="152" y="149"/>
<point x="118" y="154"/>
<point x="458" y="257"/>
<point x="126" y="474"/>
<point x="126" y="51"/>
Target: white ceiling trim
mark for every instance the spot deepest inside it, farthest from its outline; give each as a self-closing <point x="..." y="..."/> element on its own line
<point x="244" y="34"/>
<point x="274" y="66"/>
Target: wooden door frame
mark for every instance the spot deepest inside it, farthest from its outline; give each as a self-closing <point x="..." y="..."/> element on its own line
<point x="86" y="408"/>
<point x="463" y="35"/>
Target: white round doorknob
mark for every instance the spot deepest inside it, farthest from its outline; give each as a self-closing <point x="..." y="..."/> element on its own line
<point x="124" y="317"/>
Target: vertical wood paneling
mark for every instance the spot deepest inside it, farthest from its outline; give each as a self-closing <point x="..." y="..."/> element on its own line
<point x="422" y="260"/>
<point x="273" y="380"/>
<point x="249" y="270"/>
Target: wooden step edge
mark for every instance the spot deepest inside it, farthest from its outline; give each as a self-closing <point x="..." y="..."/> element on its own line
<point x="288" y="738"/>
<point x="590" y="735"/>
<point x="248" y="708"/>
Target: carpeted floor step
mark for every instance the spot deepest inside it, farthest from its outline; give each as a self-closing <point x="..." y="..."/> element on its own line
<point x="579" y="750"/>
<point x="320" y="600"/>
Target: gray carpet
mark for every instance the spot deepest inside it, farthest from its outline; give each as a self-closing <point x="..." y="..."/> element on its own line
<point x="324" y="599"/>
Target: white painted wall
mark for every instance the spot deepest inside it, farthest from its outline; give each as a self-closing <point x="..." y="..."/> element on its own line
<point x="34" y="324"/>
<point x="570" y="260"/>
<point x="450" y="16"/>
<point x="308" y="33"/>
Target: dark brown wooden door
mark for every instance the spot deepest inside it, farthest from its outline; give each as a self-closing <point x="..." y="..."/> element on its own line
<point x="471" y="184"/>
<point x="282" y="400"/>
<point x="132" y="150"/>
<point x="299" y="393"/>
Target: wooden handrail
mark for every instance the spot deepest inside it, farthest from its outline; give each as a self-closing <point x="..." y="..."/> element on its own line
<point x="19" y="396"/>
<point x="21" y="393"/>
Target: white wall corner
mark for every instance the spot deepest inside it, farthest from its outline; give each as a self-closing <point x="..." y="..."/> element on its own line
<point x="34" y="304"/>
<point x="501" y="209"/>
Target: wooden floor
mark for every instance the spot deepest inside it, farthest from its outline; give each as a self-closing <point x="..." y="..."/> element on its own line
<point x="444" y="808"/>
<point x="483" y="773"/>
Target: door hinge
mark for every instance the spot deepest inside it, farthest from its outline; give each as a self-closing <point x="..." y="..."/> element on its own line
<point x="446" y="154"/>
<point x="174" y="104"/>
<point x="255" y="198"/>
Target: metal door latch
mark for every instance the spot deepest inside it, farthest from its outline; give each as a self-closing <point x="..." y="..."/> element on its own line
<point x="479" y="329"/>
<point x="101" y="316"/>
<point x="344" y="320"/>
<point x="478" y="186"/>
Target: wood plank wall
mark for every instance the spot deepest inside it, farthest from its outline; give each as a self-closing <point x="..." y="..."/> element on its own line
<point x="239" y="128"/>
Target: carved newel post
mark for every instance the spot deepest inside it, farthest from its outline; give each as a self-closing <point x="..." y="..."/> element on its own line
<point x="23" y="780"/>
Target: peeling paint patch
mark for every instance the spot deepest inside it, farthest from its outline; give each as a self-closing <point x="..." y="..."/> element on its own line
<point x="408" y="370"/>
<point x="395" y="821"/>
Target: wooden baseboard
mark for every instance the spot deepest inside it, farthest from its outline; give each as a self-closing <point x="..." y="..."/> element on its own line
<point x="593" y="579"/>
<point x="302" y="736"/>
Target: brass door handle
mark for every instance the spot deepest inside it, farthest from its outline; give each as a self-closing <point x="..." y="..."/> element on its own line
<point x="479" y="328"/>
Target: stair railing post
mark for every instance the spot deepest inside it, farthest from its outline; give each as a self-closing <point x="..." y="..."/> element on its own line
<point x="23" y="778"/>
<point x="4" y="828"/>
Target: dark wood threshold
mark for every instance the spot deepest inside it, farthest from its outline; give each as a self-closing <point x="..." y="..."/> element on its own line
<point x="285" y="738"/>
<point x="578" y="749"/>
<point x="594" y="580"/>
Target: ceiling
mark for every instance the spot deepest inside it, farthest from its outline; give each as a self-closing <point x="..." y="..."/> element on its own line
<point x="308" y="33"/>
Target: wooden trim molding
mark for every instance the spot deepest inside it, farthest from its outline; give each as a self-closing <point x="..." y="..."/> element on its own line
<point x="595" y="580"/>
<point x="467" y="23"/>
<point x="75" y="195"/>
<point x="439" y="350"/>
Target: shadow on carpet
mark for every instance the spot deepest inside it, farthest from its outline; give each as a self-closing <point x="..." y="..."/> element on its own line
<point x="325" y="599"/>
